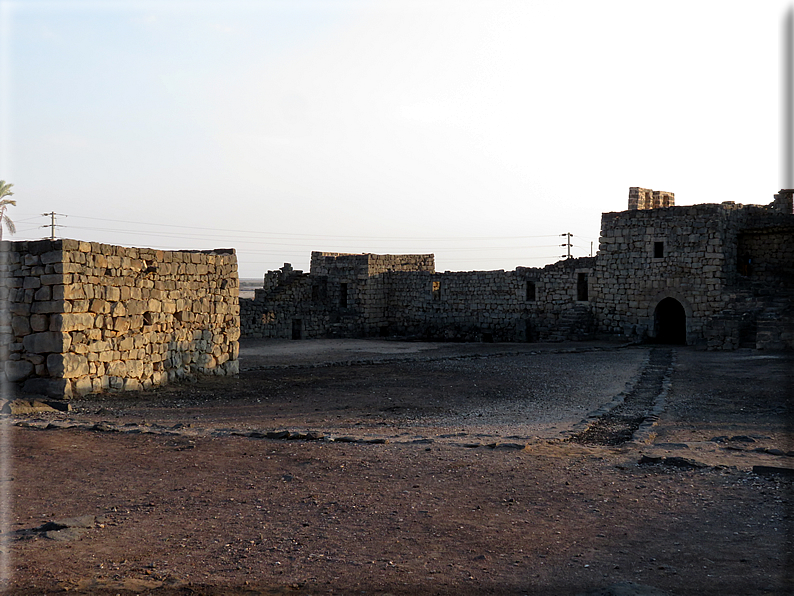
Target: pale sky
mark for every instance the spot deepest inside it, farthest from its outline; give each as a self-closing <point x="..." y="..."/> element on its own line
<point x="475" y="130"/>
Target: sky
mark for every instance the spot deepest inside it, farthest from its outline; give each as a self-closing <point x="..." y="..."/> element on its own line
<point x="476" y="130"/>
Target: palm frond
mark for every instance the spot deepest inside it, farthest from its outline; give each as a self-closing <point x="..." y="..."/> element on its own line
<point x="9" y="224"/>
<point x="5" y="188"/>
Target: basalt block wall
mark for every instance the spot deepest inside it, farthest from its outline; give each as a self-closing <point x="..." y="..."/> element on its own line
<point x="366" y="295"/>
<point x="715" y="275"/>
<point x="703" y="256"/>
<point x="82" y="317"/>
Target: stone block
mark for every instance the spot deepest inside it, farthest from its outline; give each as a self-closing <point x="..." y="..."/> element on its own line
<point x="55" y="279"/>
<point x="83" y="386"/>
<point x="134" y="368"/>
<point x="18" y="370"/>
<point x="67" y="366"/>
<point x="67" y="322"/>
<point x="53" y="256"/>
<point x="47" y="342"/>
<point x="117" y="369"/>
<point x="31" y="283"/>
<point x="20" y="326"/>
<point x="132" y="385"/>
<point x="58" y="388"/>
<point x="99" y="306"/>
<point x="44" y="293"/>
<point x="121" y="325"/>
<point x="136" y="307"/>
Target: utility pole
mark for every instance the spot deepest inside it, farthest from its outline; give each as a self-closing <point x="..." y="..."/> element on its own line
<point x="52" y="225"/>
<point x="568" y="244"/>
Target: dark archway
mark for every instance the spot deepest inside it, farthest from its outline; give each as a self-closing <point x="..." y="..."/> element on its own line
<point x="669" y="321"/>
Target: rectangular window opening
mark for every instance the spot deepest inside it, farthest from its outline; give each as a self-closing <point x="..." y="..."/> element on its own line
<point x="436" y="290"/>
<point x="343" y="295"/>
<point x="581" y="287"/>
<point x="658" y="250"/>
<point x="530" y="291"/>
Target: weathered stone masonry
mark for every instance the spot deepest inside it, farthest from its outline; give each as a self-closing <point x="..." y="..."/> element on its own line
<point x="716" y="275"/>
<point x="365" y="295"/>
<point x="83" y="317"/>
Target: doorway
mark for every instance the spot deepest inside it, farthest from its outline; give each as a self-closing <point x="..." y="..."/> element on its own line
<point x="669" y="321"/>
<point x="297" y="328"/>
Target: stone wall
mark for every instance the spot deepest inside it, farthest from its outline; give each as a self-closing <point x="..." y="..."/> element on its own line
<point x="691" y="254"/>
<point x="83" y="317"/>
<point x="767" y="253"/>
<point x="645" y="198"/>
<point x="717" y="275"/>
<point x="401" y="295"/>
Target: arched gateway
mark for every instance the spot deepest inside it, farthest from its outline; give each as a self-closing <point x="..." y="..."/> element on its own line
<point x="669" y="321"/>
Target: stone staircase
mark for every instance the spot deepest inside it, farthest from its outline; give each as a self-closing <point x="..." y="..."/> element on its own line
<point x="576" y="324"/>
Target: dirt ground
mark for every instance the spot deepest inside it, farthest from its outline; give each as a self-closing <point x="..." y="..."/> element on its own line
<point x="404" y="468"/>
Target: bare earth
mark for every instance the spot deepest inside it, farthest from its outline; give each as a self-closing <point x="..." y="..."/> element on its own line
<point x="414" y="468"/>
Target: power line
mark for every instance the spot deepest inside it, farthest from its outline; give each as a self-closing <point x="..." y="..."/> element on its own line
<point x="52" y="225"/>
<point x="265" y="233"/>
<point x="568" y="244"/>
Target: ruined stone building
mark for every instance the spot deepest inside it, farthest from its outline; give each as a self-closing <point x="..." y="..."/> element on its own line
<point x="80" y="317"/>
<point x="715" y="275"/>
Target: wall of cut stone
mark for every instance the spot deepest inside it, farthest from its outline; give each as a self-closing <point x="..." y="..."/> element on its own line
<point x="84" y="317"/>
<point x="647" y="255"/>
<point x="767" y="254"/>
<point x="402" y="295"/>
<point x="728" y="266"/>
<point x="691" y="254"/>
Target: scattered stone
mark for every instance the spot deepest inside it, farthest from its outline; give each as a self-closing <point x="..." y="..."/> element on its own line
<point x="277" y="434"/>
<point x="676" y="462"/>
<point x="72" y="528"/>
<point x="773" y="471"/>
<point x="19" y="407"/>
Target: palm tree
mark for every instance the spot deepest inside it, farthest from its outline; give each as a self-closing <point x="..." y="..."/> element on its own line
<point x="5" y="191"/>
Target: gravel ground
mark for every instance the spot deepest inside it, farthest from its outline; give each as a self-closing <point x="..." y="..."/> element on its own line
<point x="457" y="480"/>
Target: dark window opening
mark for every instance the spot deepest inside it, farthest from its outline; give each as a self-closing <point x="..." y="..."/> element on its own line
<point x="487" y="338"/>
<point x="436" y="290"/>
<point x="319" y="291"/>
<point x="670" y="322"/>
<point x="581" y="287"/>
<point x="343" y="295"/>
<point x="658" y="250"/>
<point x="297" y="327"/>
<point x="530" y="291"/>
<point x="529" y="331"/>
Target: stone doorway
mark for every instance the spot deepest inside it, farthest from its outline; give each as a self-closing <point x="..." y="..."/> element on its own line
<point x="669" y="321"/>
<point x="297" y="329"/>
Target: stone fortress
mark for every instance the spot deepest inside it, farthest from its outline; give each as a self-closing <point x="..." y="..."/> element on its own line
<point x="718" y="276"/>
<point x="82" y="317"/>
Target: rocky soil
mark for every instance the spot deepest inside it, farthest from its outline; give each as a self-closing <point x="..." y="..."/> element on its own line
<point x="398" y="470"/>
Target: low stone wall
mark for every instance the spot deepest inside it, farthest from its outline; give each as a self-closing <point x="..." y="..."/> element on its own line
<point x="83" y="317"/>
